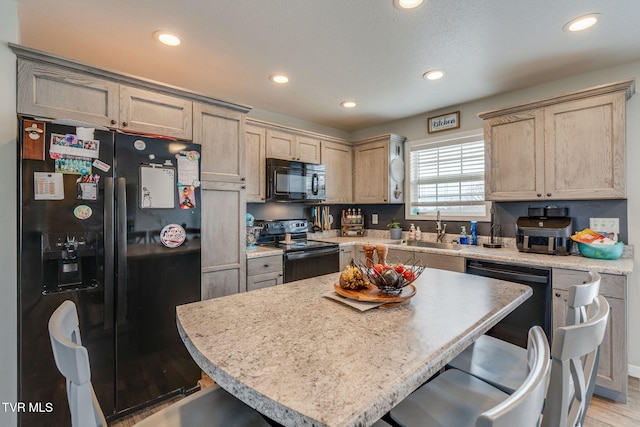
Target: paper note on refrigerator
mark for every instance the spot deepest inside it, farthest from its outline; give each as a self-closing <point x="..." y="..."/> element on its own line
<point x="188" y="173"/>
<point x="48" y="186"/>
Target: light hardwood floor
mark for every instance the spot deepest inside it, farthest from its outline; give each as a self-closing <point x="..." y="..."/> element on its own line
<point x="606" y="413"/>
<point x="602" y="412"/>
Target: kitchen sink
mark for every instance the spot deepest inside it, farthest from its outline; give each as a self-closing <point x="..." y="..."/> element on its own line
<point x="438" y="245"/>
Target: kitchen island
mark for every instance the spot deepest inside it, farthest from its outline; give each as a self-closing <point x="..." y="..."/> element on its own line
<point x="303" y="359"/>
<point x="612" y="379"/>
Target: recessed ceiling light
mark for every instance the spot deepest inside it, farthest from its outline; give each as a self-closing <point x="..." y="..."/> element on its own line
<point x="433" y="75"/>
<point x="582" y="22"/>
<point x="348" y="104"/>
<point x="279" y="78"/>
<point x="166" y="38"/>
<point x="407" y="4"/>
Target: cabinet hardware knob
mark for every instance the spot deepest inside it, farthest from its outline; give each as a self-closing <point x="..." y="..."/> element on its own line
<point x="558" y="295"/>
<point x="125" y="124"/>
<point x="266" y="266"/>
<point x="243" y="187"/>
<point x="113" y="122"/>
<point x="548" y="194"/>
<point x="243" y="179"/>
<point x="539" y="195"/>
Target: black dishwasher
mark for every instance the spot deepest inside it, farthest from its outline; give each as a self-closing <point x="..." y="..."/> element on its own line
<point x="534" y="311"/>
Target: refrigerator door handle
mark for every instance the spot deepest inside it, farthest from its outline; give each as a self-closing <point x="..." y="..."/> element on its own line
<point x="109" y="249"/>
<point x="121" y="272"/>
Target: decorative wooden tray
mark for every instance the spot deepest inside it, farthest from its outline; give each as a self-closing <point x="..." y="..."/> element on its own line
<point x="373" y="294"/>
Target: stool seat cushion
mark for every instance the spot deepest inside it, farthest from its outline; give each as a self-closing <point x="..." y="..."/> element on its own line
<point x="501" y="364"/>
<point x="454" y="398"/>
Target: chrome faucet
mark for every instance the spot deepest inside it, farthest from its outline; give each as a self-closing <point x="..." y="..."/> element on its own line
<point x="441" y="229"/>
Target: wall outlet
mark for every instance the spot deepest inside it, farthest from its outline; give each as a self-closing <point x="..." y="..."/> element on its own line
<point x="374" y="219"/>
<point x="608" y="225"/>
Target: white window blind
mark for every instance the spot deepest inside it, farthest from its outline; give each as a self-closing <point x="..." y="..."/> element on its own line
<point x="447" y="175"/>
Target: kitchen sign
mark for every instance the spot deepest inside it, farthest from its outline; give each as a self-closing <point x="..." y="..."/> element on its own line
<point x="444" y="122"/>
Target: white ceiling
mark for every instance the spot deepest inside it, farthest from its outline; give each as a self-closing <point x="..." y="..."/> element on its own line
<point x="364" y="50"/>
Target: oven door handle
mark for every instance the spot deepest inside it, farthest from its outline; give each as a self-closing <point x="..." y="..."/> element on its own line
<point x="506" y="275"/>
<point x="311" y="254"/>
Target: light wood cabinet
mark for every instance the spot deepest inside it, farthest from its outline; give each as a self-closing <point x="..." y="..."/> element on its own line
<point x="441" y="262"/>
<point x="46" y="90"/>
<point x="356" y="172"/>
<point x="255" y="138"/>
<point x="308" y="149"/>
<point x="146" y="111"/>
<point x="223" y="243"/>
<point x="53" y="91"/>
<point x="338" y="160"/>
<point x="569" y="147"/>
<point x="221" y="133"/>
<point x="612" y="368"/>
<point x="586" y="148"/>
<point x="289" y="146"/>
<point x="346" y="255"/>
<point x="514" y="156"/>
<point x="264" y="272"/>
<point x="428" y="259"/>
<point x="371" y="177"/>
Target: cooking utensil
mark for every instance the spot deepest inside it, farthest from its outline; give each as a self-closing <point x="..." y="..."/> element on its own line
<point x="327" y="226"/>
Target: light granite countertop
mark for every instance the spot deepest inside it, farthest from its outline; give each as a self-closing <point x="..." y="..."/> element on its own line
<point x="621" y="266"/>
<point x="263" y="251"/>
<point x="306" y="360"/>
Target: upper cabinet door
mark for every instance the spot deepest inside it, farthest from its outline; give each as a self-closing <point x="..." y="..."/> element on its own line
<point x="281" y="145"/>
<point x="514" y="156"/>
<point x="150" y="112"/>
<point x="255" y="141"/>
<point x="570" y="147"/>
<point x="308" y="149"/>
<point x="586" y="143"/>
<point x="371" y="172"/>
<point x="55" y="92"/>
<point x="289" y="146"/>
<point x="338" y="160"/>
<point x="221" y="132"/>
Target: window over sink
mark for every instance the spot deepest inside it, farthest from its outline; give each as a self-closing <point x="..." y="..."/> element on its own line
<point x="446" y="174"/>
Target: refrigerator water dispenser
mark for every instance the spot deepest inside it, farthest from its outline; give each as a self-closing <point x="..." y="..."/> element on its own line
<point x="69" y="261"/>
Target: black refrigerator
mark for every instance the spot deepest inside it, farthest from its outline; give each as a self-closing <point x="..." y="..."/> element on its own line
<point x="110" y="221"/>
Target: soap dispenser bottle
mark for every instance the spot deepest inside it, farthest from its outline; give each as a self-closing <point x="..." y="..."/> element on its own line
<point x="464" y="239"/>
<point x="412" y="232"/>
<point x="418" y="233"/>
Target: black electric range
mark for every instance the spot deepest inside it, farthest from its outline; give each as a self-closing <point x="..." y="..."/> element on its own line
<point x="303" y="258"/>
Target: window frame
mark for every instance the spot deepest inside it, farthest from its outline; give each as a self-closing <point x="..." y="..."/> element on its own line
<point x="450" y="139"/>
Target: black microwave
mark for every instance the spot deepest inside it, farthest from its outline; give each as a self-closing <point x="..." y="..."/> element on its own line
<point x="295" y="181"/>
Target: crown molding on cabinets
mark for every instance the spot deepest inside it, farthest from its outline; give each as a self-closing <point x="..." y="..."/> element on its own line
<point x="628" y="86"/>
<point x="70" y="64"/>
<point x="296" y="131"/>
